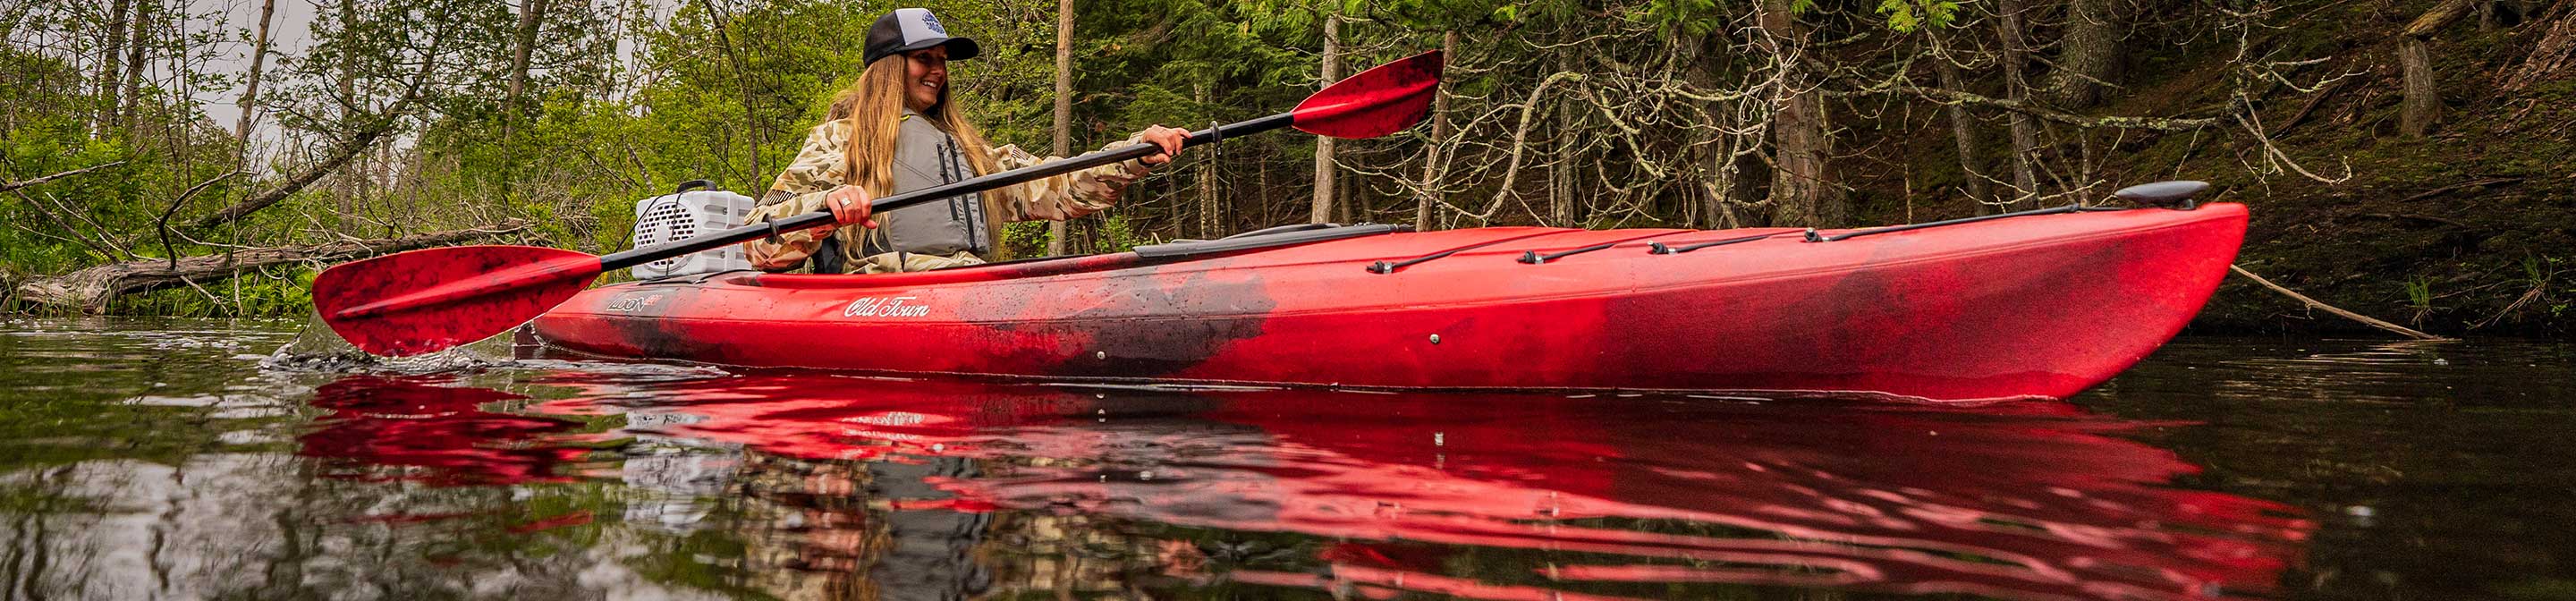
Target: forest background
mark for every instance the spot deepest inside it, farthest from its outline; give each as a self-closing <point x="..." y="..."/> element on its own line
<point x="2404" y="158"/>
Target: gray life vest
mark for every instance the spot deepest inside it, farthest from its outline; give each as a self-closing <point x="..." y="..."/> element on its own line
<point x="924" y="156"/>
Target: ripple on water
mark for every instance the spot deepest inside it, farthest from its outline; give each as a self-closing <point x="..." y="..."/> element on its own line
<point x="487" y="474"/>
<point x="1391" y="492"/>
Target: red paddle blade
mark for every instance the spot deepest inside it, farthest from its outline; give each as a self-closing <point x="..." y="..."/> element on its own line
<point x="429" y="300"/>
<point x="1376" y="102"/>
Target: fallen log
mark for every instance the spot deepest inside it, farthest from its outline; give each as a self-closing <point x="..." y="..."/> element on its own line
<point x="90" y="290"/>
<point x="2553" y="57"/>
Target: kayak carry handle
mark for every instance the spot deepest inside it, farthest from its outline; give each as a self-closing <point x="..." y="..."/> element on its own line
<point x="2175" y="194"/>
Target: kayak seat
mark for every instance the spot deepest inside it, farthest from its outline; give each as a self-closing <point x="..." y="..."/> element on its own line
<point x="692" y="278"/>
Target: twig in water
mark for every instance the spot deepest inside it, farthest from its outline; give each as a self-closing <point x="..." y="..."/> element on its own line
<point x="2364" y="319"/>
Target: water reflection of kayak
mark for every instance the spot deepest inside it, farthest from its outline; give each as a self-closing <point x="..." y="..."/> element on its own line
<point x="2040" y="305"/>
<point x="421" y="428"/>
<point x="1489" y="496"/>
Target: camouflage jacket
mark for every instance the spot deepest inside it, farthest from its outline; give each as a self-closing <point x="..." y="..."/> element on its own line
<point x="819" y="168"/>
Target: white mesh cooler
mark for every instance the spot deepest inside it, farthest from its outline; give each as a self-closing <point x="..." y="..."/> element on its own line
<point x="672" y="217"/>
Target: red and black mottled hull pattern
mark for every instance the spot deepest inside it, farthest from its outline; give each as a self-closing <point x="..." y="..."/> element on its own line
<point x="2042" y="305"/>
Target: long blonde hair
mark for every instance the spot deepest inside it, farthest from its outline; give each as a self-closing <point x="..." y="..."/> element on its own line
<point x="873" y="106"/>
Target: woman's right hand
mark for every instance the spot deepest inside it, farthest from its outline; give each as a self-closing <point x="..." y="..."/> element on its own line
<point x="849" y="204"/>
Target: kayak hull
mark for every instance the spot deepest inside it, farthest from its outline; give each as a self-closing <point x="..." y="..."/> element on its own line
<point x="2042" y="305"/>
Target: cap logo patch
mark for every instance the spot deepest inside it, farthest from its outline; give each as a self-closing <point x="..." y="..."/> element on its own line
<point x="932" y="21"/>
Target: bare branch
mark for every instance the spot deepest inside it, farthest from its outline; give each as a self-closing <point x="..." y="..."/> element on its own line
<point x="7" y="186"/>
<point x="2154" y="123"/>
<point x="347" y="151"/>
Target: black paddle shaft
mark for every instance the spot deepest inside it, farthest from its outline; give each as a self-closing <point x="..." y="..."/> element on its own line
<point x="816" y="219"/>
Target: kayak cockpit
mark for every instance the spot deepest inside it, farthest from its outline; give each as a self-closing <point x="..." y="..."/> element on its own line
<point x="1265" y="239"/>
<point x="1183" y="250"/>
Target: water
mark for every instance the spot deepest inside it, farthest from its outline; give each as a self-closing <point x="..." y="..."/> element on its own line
<point x="159" y="459"/>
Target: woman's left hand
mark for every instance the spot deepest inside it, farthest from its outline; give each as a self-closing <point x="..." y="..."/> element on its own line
<point x="1168" y="138"/>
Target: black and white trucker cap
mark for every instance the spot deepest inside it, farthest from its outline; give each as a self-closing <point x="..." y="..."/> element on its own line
<point x="909" y="29"/>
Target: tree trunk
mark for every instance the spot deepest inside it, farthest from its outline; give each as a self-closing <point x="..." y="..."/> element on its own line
<point x="1430" y="192"/>
<point x="2493" y="14"/>
<point x="2025" y="131"/>
<point x="348" y="80"/>
<point x="90" y="290"/>
<point x="2423" y="101"/>
<point x="1717" y="187"/>
<point x="1716" y="168"/>
<point x="348" y="98"/>
<point x="1211" y="224"/>
<point x="1344" y="202"/>
<point x="111" y="66"/>
<point x="135" y="54"/>
<point x="532" y="14"/>
<point x="742" y="79"/>
<point x="1063" y="106"/>
<point x="523" y="42"/>
<point x="2088" y="52"/>
<point x="250" y="91"/>
<point x="1963" y="130"/>
<point x="1800" y="196"/>
<point x="1211" y="207"/>
<point x="1323" y="209"/>
<point x="2025" y="164"/>
<point x="1561" y="172"/>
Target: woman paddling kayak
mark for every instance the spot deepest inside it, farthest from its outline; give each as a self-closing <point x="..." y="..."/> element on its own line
<point x="895" y="130"/>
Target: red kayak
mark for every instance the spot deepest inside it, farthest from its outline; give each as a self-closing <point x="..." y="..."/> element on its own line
<point x="2042" y="303"/>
